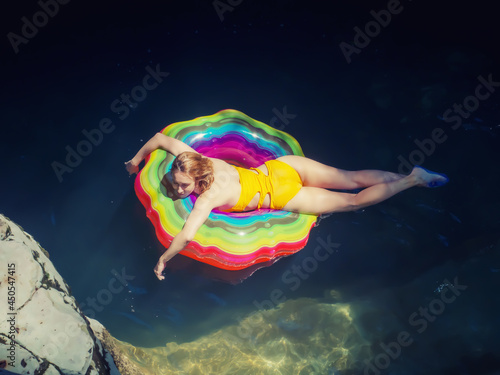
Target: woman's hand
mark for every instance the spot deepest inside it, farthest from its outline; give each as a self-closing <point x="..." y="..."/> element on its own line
<point x="131" y="167"/>
<point x="160" y="266"/>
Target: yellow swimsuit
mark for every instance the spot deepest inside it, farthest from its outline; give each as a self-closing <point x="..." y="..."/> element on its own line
<point x="282" y="184"/>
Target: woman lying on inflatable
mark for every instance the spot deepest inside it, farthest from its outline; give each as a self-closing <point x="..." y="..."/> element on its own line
<point x="290" y="183"/>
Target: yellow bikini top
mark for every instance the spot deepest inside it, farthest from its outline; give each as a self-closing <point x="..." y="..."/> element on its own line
<point x="251" y="184"/>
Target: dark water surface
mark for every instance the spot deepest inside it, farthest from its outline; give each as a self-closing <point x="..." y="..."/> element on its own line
<point x="417" y="275"/>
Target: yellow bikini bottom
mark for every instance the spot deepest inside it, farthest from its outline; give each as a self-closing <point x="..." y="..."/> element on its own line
<point x="282" y="183"/>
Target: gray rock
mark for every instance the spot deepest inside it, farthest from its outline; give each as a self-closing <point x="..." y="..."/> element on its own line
<point x="42" y="330"/>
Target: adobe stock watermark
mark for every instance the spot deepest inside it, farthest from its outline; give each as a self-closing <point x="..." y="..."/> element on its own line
<point x="292" y="278"/>
<point x="372" y="29"/>
<point x="281" y="119"/>
<point x="419" y="319"/>
<point x="29" y="29"/>
<point x="454" y="116"/>
<point x="104" y="297"/>
<point x="121" y="107"/>
<point x="222" y="7"/>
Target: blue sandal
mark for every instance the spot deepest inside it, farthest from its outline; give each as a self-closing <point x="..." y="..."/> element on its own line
<point x="435" y="184"/>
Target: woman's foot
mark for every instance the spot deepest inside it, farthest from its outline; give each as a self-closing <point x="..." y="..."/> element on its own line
<point x="428" y="178"/>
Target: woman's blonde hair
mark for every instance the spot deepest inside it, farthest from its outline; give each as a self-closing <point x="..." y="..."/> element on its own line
<point x="196" y="166"/>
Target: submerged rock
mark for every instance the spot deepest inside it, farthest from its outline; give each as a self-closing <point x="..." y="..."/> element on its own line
<point x="111" y="347"/>
<point x="42" y="330"/>
<point x="299" y="336"/>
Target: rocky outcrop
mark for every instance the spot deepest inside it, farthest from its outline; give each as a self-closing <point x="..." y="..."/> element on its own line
<point x="115" y="348"/>
<point x="42" y="330"/>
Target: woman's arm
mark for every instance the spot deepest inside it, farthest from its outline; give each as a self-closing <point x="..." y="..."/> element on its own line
<point x="159" y="140"/>
<point x="202" y="208"/>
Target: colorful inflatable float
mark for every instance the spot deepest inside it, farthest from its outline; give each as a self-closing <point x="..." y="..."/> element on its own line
<point x="230" y="241"/>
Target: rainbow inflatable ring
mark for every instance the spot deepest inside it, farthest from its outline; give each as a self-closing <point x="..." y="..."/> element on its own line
<point x="230" y="241"/>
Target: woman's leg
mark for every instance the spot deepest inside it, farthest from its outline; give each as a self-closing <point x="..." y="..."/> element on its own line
<point x="316" y="174"/>
<point x="316" y="200"/>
